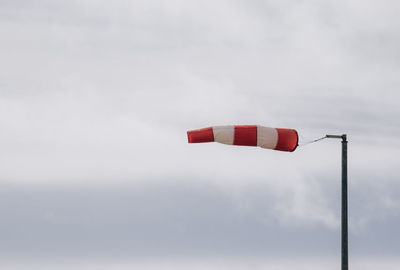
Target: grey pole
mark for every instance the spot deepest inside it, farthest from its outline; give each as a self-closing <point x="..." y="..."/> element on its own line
<point x="345" y="252"/>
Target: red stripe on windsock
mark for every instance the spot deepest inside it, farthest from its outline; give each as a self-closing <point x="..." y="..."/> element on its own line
<point x="287" y="139"/>
<point x="201" y="135"/>
<point x="245" y="135"/>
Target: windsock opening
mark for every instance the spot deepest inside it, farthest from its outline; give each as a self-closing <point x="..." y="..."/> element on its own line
<point x="287" y="140"/>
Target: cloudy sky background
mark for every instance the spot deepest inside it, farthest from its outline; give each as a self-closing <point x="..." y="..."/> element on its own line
<point x="95" y="101"/>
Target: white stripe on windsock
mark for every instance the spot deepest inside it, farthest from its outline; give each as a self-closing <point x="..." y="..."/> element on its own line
<point x="267" y="137"/>
<point x="224" y="134"/>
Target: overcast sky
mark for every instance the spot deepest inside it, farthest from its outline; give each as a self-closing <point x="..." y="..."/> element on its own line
<point x="95" y="101"/>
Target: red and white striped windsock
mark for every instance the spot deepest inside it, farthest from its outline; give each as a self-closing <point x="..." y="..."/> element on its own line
<point x="281" y="139"/>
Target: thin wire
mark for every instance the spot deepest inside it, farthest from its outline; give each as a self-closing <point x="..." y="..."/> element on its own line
<point x="312" y="141"/>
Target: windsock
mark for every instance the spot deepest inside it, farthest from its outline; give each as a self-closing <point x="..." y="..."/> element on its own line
<point x="281" y="139"/>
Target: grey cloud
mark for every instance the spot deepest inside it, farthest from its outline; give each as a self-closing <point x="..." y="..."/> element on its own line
<point x="176" y="219"/>
<point x="147" y="221"/>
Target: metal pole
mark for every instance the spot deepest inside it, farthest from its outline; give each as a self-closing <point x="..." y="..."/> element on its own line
<point x="345" y="251"/>
<point x="345" y="255"/>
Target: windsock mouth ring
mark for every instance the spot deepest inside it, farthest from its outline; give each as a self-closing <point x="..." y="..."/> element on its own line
<point x="288" y="140"/>
<point x="297" y="141"/>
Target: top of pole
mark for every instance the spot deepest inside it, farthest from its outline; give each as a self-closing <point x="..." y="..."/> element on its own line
<point x="343" y="137"/>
